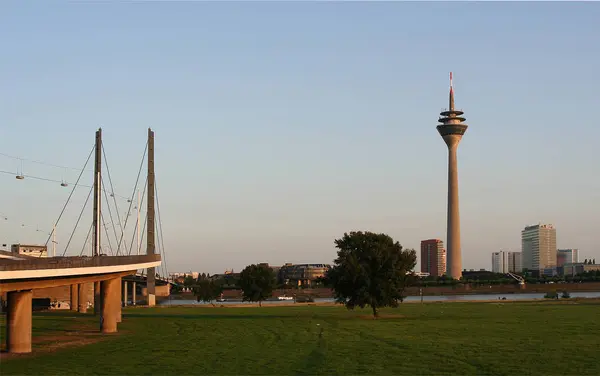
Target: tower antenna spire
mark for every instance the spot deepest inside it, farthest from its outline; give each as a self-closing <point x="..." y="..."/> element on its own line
<point x="451" y="100"/>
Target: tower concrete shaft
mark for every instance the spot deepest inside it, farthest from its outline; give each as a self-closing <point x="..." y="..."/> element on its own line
<point x="150" y="240"/>
<point x="452" y="129"/>
<point x="97" y="213"/>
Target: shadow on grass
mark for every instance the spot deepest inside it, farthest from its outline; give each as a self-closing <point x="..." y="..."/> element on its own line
<point x="314" y="361"/>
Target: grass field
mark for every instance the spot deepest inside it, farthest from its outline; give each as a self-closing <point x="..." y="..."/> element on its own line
<point x="541" y="338"/>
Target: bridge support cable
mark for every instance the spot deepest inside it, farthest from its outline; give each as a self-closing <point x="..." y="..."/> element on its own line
<point x="142" y="238"/>
<point x="160" y="232"/>
<point x="106" y="232"/>
<point x="112" y="189"/>
<point x="110" y="213"/>
<point x="70" y="195"/>
<point x="132" y="197"/>
<point x="77" y="223"/>
<point x="41" y="162"/>
<point x="86" y="239"/>
<point x="141" y="235"/>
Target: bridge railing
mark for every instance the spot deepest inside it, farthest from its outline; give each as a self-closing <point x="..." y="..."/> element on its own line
<point x="75" y="262"/>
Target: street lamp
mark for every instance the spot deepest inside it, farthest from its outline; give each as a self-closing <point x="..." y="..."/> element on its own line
<point x="20" y="175"/>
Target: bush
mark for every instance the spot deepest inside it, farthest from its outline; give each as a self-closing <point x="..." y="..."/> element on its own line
<point x="551" y="295"/>
<point x="304" y="299"/>
<point x="566" y="295"/>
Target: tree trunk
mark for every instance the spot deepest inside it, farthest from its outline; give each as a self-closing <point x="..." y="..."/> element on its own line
<point x="375" y="314"/>
<point x="259" y="303"/>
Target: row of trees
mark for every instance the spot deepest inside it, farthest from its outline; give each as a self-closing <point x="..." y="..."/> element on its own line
<point x="256" y="281"/>
<point x="370" y="270"/>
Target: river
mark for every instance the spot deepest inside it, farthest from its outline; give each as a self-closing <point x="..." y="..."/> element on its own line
<point x="438" y="298"/>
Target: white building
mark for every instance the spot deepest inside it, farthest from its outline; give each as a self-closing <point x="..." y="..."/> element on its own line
<point x="499" y="262"/>
<point x="538" y="245"/>
<point x="30" y="250"/>
<point x="504" y="262"/>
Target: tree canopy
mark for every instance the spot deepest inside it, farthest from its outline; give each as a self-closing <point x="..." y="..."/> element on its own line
<point x="207" y="290"/>
<point x="257" y="282"/>
<point x="188" y="281"/>
<point x="370" y="269"/>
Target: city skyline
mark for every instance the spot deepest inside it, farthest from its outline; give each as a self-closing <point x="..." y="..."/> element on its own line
<point x="271" y="135"/>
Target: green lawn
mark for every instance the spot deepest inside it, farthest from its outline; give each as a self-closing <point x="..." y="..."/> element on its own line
<point x="429" y="339"/>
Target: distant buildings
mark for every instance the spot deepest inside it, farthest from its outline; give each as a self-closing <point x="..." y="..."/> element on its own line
<point x="176" y="275"/>
<point x="538" y="244"/>
<point x="567" y="256"/>
<point x="504" y="262"/>
<point x="30" y="250"/>
<point x="433" y="257"/>
<point x="578" y="268"/>
<point x="515" y="262"/>
<point x="300" y="274"/>
<point x="499" y="262"/>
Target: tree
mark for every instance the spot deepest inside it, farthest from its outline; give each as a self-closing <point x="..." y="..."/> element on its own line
<point x="371" y="269"/>
<point x="257" y="283"/>
<point x="188" y="281"/>
<point x="207" y="290"/>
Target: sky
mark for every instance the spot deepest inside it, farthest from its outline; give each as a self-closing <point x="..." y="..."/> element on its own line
<point x="282" y="125"/>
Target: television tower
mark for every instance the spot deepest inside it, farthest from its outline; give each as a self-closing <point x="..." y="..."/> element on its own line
<point x="452" y="129"/>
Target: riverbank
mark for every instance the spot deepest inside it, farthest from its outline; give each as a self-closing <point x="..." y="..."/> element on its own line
<point x="481" y="298"/>
<point x="431" y="291"/>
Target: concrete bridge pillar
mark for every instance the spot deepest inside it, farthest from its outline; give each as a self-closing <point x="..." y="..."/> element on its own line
<point x="109" y="304"/>
<point x="133" y="293"/>
<point x="124" y="293"/>
<point x="74" y="298"/>
<point x="18" y="321"/>
<point x="97" y="298"/>
<point x="119" y="295"/>
<point x="83" y="297"/>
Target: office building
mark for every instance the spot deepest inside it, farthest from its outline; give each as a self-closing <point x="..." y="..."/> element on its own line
<point x="433" y="257"/>
<point x="567" y="256"/>
<point x="538" y="244"/>
<point x="515" y="264"/>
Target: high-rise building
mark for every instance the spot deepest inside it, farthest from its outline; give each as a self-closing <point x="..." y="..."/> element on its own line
<point x="433" y="257"/>
<point x="567" y="256"/>
<point x="452" y="129"/>
<point x="538" y="243"/>
<point x="515" y="262"/>
<point x="504" y="262"/>
<point x="499" y="262"/>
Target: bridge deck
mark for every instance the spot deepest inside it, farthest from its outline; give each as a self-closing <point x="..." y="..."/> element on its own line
<point x="54" y="271"/>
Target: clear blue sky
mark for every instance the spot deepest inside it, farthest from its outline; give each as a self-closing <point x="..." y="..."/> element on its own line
<point x="279" y="126"/>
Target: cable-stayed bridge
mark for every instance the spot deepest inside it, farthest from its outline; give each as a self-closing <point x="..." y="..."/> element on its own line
<point x="107" y="267"/>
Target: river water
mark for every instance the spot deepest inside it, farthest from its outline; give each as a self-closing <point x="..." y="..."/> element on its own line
<point x="438" y="298"/>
